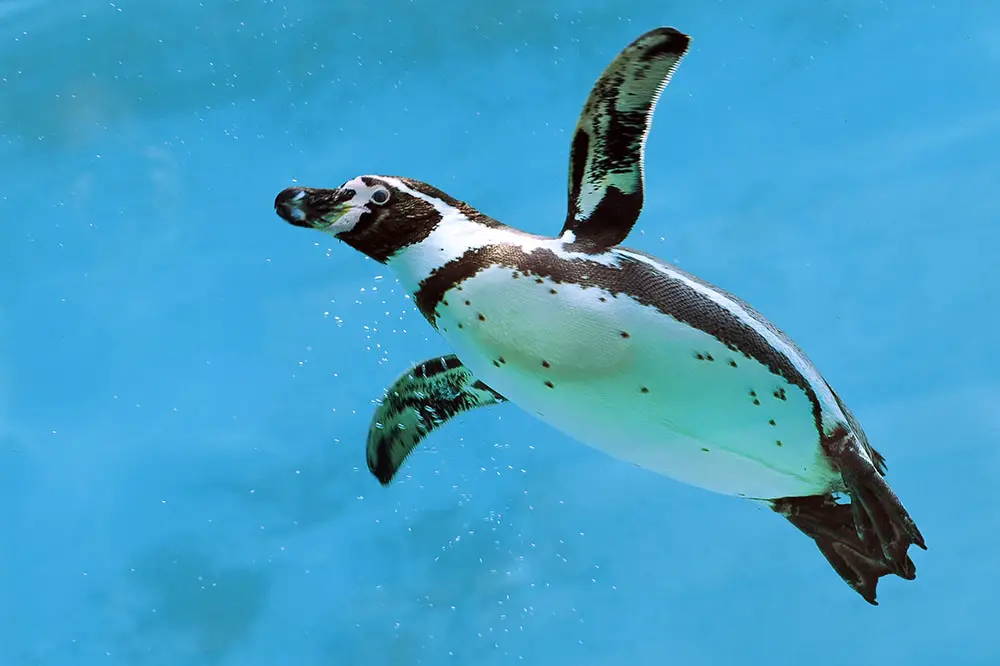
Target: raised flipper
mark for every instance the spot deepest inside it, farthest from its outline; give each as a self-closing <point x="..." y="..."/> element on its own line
<point x="605" y="174"/>
<point x="868" y="538"/>
<point x="422" y="399"/>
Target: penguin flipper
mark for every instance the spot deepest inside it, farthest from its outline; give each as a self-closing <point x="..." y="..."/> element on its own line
<point x="422" y="399"/>
<point x="606" y="154"/>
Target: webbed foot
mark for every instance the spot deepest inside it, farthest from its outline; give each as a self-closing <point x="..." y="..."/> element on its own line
<point x="866" y="539"/>
<point x="832" y="527"/>
<point x="882" y="523"/>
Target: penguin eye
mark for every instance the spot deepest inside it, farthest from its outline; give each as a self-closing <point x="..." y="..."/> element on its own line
<point x="380" y="196"/>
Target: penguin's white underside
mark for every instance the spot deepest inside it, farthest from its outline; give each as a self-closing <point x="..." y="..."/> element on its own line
<point x="616" y="348"/>
<point x="620" y="375"/>
<point x="655" y="404"/>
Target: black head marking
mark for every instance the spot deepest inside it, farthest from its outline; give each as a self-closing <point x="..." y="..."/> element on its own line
<point x="392" y="222"/>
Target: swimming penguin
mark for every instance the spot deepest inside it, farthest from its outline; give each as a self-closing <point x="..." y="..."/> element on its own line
<point x="614" y="347"/>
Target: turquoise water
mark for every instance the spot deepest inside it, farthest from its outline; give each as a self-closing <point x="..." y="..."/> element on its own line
<point x="186" y="381"/>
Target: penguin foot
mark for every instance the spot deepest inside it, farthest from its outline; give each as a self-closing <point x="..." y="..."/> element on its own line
<point x="832" y="527"/>
<point x="883" y="525"/>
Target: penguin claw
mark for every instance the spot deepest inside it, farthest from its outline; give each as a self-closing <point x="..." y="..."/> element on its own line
<point x="865" y="571"/>
<point x="863" y="525"/>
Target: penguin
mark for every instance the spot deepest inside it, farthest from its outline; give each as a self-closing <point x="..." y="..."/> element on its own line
<point x="614" y="347"/>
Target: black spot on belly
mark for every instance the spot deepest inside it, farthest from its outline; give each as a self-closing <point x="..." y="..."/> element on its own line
<point x="496" y="363"/>
<point x="704" y="449"/>
<point x="468" y="302"/>
<point x="779" y="443"/>
<point x="602" y="299"/>
<point x="700" y="357"/>
<point x="460" y="325"/>
<point x="502" y="360"/>
<point x="545" y="364"/>
<point x="732" y="363"/>
<point x="625" y="334"/>
<point x="550" y="384"/>
<point x="780" y="394"/>
<point x="444" y="303"/>
<point x="644" y="389"/>
<point x="708" y="357"/>
<point x="482" y="317"/>
<point x="772" y="422"/>
<point x="553" y="291"/>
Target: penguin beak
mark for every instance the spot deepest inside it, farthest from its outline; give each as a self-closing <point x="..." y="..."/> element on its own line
<point x="312" y="208"/>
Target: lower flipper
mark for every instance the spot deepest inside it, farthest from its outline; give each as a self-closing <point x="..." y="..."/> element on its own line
<point x="422" y="399"/>
<point x="832" y="527"/>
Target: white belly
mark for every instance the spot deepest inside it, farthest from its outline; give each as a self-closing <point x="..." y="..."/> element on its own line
<point x="628" y="380"/>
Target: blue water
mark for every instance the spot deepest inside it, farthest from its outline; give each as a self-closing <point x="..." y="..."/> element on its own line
<point x="186" y="381"/>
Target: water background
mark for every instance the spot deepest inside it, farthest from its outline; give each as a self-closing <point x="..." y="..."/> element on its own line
<point x="186" y="381"/>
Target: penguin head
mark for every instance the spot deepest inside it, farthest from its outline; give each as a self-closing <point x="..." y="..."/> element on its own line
<point x="376" y="215"/>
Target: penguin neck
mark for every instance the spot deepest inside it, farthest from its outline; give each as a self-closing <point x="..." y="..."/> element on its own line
<point x="455" y="235"/>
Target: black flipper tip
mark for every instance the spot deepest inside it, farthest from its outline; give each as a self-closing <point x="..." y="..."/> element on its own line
<point x="675" y="43"/>
<point x="384" y="476"/>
